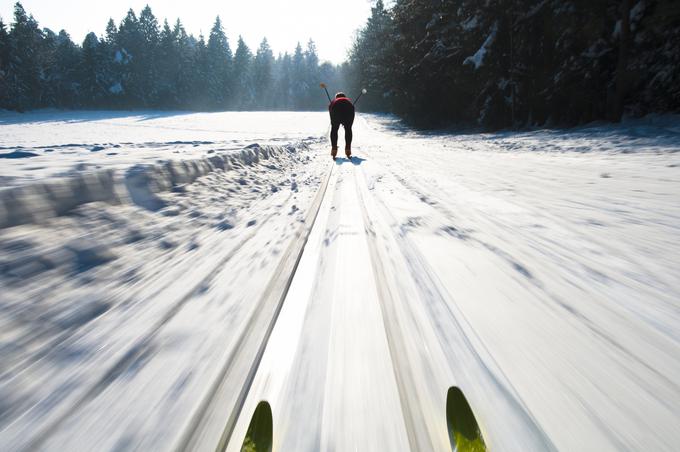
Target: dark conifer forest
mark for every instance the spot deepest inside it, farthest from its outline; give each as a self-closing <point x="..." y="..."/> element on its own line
<point x="492" y="63"/>
<point x="520" y="63"/>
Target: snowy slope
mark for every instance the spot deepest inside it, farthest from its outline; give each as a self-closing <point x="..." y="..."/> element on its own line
<point x="536" y="271"/>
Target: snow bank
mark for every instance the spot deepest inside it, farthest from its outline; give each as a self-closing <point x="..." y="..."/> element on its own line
<point x="478" y="58"/>
<point x="139" y="184"/>
<point x="46" y="144"/>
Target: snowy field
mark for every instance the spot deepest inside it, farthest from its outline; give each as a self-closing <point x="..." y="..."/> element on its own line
<point x="53" y="143"/>
<point x="155" y="290"/>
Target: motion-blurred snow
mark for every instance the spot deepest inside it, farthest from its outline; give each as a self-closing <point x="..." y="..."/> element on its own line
<point x="537" y="271"/>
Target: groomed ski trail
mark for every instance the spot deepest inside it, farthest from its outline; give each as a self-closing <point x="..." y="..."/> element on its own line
<point x="541" y="284"/>
<point x="354" y="361"/>
<point x="414" y="282"/>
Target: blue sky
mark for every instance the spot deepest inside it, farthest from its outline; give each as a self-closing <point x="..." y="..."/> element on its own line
<point x="331" y="24"/>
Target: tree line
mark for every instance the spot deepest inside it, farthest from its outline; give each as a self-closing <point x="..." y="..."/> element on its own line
<point x="519" y="63"/>
<point x="140" y="63"/>
<point x="495" y="64"/>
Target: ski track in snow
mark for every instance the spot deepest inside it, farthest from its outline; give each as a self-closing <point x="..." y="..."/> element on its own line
<point x="537" y="271"/>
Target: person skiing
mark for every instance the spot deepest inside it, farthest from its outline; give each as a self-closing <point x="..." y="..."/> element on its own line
<point x="342" y="112"/>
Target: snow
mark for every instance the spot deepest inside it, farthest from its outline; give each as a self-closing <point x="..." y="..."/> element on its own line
<point x="535" y="10"/>
<point x="637" y="11"/>
<point x="537" y="271"/>
<point x="64" y="141"/>
<point x="478" y="58"/>
<point x="470" y="23"/>
<point x="433" y="22"/>
<point x="134" y="266"/>
<point x="116" y="88"/>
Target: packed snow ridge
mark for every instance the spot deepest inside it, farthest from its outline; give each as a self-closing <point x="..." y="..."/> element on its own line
<point x="139" y="184"/>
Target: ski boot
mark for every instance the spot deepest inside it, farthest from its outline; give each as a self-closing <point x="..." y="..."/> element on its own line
<point x="334" y="152"/>
<point x="348" y="152"/>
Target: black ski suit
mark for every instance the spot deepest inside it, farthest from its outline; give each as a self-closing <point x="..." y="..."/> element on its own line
<point x="342" y="112"/>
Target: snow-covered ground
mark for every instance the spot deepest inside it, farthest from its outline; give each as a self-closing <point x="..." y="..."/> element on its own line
<point x="153" y="307"/>
<point x="52" y="143"/>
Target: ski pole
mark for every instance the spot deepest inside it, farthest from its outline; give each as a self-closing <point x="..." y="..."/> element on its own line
<point x="323" y="85"/>
<point x="363" y="91"/>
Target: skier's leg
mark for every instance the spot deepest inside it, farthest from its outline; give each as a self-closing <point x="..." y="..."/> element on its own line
<point x="348" y="138"/>
<point x="334" y="138"/>
<point x="348" y="134"/>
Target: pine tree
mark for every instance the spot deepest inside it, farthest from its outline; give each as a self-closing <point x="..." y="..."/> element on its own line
<point x="311" y="80"/>
<point x="168" y="67"/>
<point x="372" y="58"/>
<point x="263" y="76"/>
<point x="148" y="27"/>
<point x="24" y="66"/>
<point x="49" y="76"/>
<point x="4" y="45"/>
<point x="127" y="57"/>
<point x="283" y="84"/>
<point x="111" y="33"/>
<point x="146" y="63"/>
<point x="114" y="60"/>
<point x="300" y="87"/>
<point x="201" y="81"/>
<point x="622" y="65"/>
<point x="219" y="57"/>
<point x="243" y="96"/>
<point x="185" y="46"/>
<point x="4" y="64"/>
<point x="92" y="90"/>
<point x="65" y="79"/>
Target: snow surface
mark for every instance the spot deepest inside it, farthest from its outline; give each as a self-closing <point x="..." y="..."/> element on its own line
<point x="478" y="58"/>
<point x="470" y="23"/>
<point x="537" y="271"/>
<point x="65" y="143"/>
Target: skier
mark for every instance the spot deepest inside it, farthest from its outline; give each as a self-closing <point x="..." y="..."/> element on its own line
<point x="342" y="112"/>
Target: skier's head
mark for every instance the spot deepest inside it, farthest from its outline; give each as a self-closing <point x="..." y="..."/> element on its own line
<point x="340" y="94"/>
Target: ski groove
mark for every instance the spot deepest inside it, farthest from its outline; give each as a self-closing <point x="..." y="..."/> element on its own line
<point x="422" y="188"/>
<point x="432" y="293"/>
<point x="415" y="418"/>
<point x="275" y="293"/>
